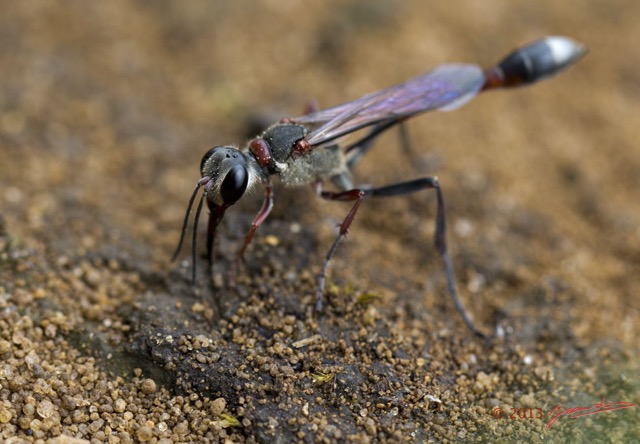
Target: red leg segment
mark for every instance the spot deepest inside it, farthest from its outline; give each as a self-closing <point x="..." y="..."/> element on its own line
<point x="267" y="205"/>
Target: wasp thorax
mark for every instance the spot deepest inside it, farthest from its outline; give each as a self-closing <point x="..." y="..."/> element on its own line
<point x="282" y="138"/>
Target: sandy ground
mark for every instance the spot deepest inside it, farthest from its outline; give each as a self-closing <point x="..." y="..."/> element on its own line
<point x="106" y="111"/>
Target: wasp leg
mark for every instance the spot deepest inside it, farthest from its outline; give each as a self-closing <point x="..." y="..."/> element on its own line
<point x="267" y="205"/>
<point x="440" y="234"/>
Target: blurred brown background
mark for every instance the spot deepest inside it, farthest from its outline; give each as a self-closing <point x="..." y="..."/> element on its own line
<point x="107" y="107"/>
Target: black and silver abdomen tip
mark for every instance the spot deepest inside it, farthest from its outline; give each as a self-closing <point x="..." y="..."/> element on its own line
<point x="564" y="51"/>
<point x="535" y="61"/>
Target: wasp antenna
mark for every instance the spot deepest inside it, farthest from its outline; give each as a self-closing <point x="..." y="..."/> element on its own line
<point x="194" y="239"/>
<point x="186" y="219"/>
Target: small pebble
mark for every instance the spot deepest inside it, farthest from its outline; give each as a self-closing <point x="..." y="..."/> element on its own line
<point x="217" y="406"/>
<point x="148" y="386"/>
<point x="5" y="414"/>
<point x="119" y="405"/>
<point x="144" y="433"/>
<point x="5" y="346"/>
<point x="45" y="408"/>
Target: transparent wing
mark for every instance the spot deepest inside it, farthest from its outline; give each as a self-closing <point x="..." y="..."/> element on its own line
<point x="445" y="88"/>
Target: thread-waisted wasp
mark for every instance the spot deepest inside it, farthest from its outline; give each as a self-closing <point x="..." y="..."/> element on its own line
<point x="305" y="150"/>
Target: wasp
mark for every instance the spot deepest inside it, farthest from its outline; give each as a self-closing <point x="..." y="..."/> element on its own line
<point x="307" y="150"/>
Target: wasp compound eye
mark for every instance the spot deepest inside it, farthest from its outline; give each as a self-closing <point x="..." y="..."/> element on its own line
<point x="234" y="184"/>
<point x="206" y="157"/>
